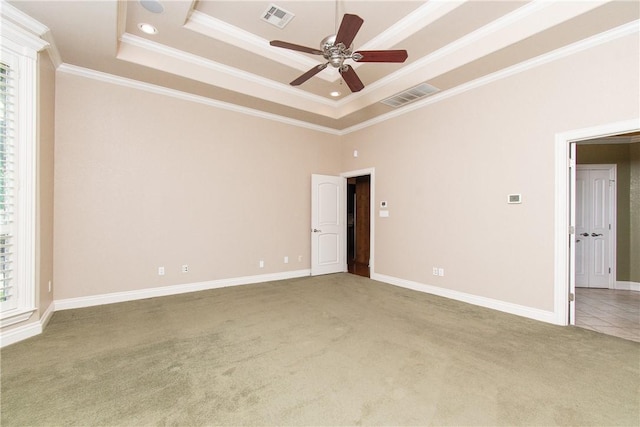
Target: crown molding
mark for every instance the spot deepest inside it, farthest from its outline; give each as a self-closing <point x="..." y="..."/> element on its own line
<point x="404" y="28"/>
<point x="22" y="19"/>
<point x="415" y="21"/>
<point x="530" y="19"/>
<point x="607" y="36"/>
<point x="211" y="72"/>
<point x="223" y="31"/>
<point x="588" y="43"/>
<point x="35" y="29"/>
<point x="160" y="90"/>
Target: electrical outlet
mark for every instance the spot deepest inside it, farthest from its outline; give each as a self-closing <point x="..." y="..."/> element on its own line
<point x="299" y="258"/>
<point x="49" y="285"/>
<point x="435" y="271"/>
<point x="185" y="268"/>
<point x="441" y="272"/>
<point x="261" y="263"/>
<point x="286" y="260"/>
<point x="160" y="271"/>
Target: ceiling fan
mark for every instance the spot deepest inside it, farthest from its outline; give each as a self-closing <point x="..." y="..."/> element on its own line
<point x="337" y="48"/>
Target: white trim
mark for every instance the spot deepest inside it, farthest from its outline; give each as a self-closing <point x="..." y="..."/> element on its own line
<point x="627" y="286"/>
<point x="26" y="331"/>
<point x="16" y="316"/>
<point x="418" y="19"/>
<point x="20" y="334"/>
<point x="372" y="211"/>
<point x="563" y="142"/>
<point x="46" y="316"/>
<point x="22" y="19"/>
<point x="32" y="28"/>
<point x="607" y="36"/>
<point x="116" y="297"/>
<point x="598" y="39"/>
<point x="506" y="307"/>
<point x="212" y="27"/>
<point x="196" y="67"/>
<point x="19" y="44"/>
<point x="159" y="90"/>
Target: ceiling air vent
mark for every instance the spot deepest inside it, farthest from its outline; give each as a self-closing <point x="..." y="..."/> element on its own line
<point x="277" y="16"/>
<point x="417" y="92"/>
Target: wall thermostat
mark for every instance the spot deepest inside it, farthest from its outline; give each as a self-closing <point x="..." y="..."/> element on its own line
<point x="514" y="198"/>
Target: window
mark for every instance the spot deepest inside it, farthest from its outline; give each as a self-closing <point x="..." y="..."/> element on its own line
<point x="8" y="298"/>
<point x="18" y="56"/>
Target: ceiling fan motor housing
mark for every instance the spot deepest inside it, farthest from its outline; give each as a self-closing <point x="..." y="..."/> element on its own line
<point x="334" y="53"/>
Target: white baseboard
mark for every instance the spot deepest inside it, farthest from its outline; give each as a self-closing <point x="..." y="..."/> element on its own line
<point x="115" y="297"/>
<point x="519" y="310"/>
<point x="627" y="286"/>
<point x="29" y="330"/>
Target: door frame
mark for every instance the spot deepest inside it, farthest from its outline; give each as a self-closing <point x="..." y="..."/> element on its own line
<point x="372" y="191"/>
<point x="613" y="212"/>
<point x="563" y="251"/>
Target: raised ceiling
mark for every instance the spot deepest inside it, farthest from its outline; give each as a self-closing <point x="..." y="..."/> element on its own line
<point x="220" y="50"/>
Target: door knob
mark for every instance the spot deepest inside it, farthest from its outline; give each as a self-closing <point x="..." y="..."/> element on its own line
<point x="585" y="234"/>
<point x="595" y="235"/>
<point x="315" y="230"/>
<point x="577" y="240"/>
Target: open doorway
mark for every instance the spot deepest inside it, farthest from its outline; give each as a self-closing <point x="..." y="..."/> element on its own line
<point x="606" y="194"/>
<point x="359" y="225"/>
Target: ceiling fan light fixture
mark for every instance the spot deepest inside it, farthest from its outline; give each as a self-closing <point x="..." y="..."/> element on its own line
<point x="147" y="28"/>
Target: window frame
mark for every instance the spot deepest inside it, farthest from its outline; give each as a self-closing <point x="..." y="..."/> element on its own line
<point x="22" y="47"/>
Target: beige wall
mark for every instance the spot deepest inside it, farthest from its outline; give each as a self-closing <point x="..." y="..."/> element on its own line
<point x="45" y="161"/>
<point x="617" y="154"/>
<point x="446" y="171"/>
<point x="144" y="180"/>
<point x="634" y="206"/>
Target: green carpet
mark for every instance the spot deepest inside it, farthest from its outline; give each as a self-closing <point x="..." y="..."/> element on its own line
<point x="329" y="350"/>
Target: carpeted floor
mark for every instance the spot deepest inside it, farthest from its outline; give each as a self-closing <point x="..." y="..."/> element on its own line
<point x="329" y="350"/>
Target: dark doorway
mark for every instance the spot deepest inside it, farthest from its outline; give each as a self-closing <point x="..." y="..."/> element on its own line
<point x="358" y="224"/>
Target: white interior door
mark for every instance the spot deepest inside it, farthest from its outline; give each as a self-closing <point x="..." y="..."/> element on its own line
<point x="594" y="216"/>
<point x="328" y="230"/>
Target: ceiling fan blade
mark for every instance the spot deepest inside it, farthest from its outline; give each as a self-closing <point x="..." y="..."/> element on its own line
<point x="380" y="55"/>
<point x="351" y="79"/>
<point x="349" y="27"/>
<point x="287" y="45"/>
<point x="306" y="76"/>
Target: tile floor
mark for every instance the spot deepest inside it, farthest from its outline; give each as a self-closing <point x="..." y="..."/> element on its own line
<point x="612" y="312"/>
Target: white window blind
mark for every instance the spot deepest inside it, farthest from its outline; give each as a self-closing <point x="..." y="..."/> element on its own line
<point x="8" y="289"/>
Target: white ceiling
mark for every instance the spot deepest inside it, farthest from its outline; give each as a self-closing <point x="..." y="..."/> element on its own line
<point x="220" y="49"/>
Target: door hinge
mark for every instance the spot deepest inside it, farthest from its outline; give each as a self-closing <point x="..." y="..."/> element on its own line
<point x="572" y="229"/>
<point x="609" y="270"/>
<point x="572" y="162"/>
<point x="572" y="297"/>
<point x="609" y="226"/>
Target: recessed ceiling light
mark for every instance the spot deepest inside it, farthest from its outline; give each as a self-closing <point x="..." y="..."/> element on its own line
<point x="335" y="93"/>
<point x="148" y="28"/>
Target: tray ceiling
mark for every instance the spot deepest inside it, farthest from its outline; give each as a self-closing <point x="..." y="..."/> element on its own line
<point x="220" y="49"/>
